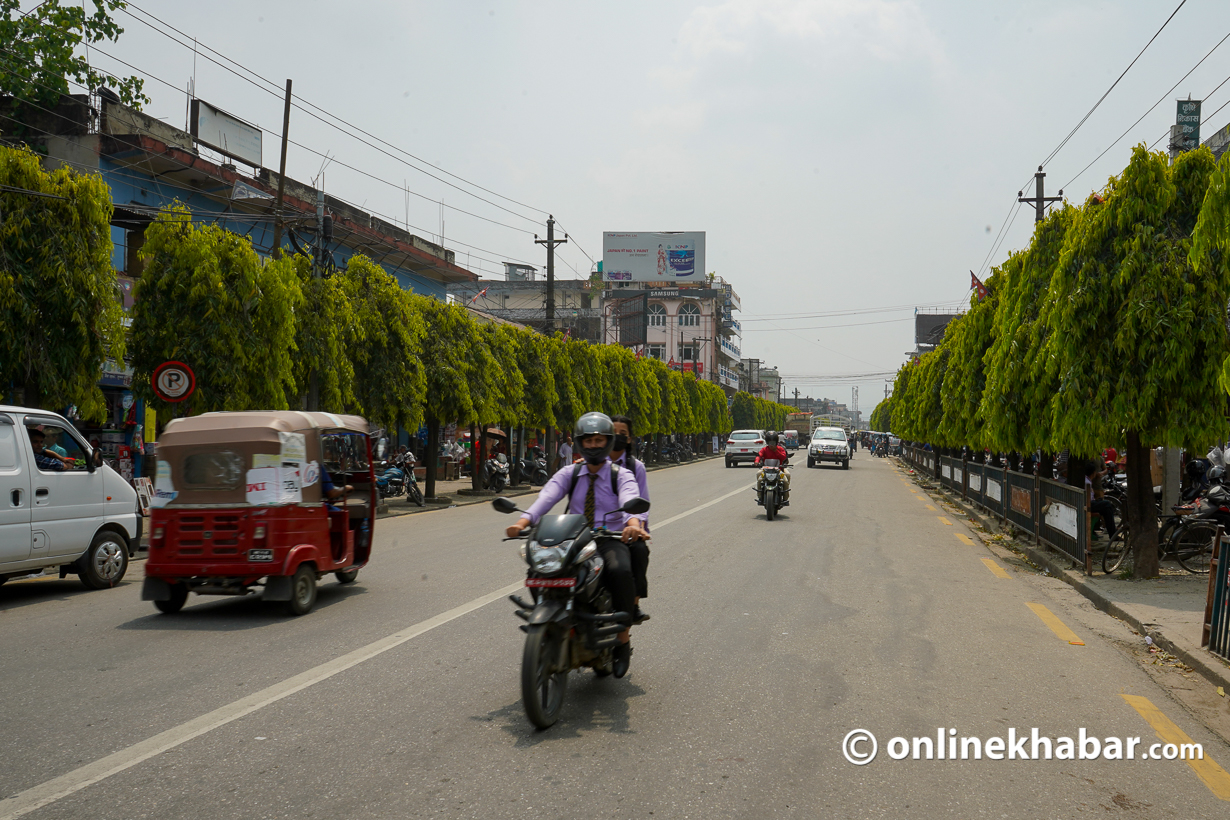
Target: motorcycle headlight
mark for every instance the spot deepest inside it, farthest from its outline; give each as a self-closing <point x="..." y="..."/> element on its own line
<point x="548" y="559"/>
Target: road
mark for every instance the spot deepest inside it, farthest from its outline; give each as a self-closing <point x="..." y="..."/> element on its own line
<point x="864" y="606"/>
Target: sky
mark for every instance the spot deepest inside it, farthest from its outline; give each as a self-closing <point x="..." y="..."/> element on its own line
<point x="855" y="157"/>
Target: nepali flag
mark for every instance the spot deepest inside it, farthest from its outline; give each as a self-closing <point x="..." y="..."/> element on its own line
<point x="481" y="293"/>
<point x="978" y="286"/>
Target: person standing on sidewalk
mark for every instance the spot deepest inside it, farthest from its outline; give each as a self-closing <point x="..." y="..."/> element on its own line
<point x="565" y="452"/>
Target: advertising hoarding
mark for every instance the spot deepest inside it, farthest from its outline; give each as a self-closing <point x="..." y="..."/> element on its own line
<point x="213" y="127"/>
<point x="653" y="257"/>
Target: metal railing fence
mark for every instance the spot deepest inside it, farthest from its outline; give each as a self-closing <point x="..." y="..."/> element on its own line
<point x="946" y="472"/>
<point x="1020" y="501"/>
<point x="1216" y="633"/>
<point x="1063" y="518"/>
<point x="974" y="473"/>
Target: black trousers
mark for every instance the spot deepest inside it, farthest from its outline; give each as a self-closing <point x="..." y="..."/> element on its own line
<point x="1106" y="509"/>
<point x="639" y="551"/>
<point x="617" y="574"/>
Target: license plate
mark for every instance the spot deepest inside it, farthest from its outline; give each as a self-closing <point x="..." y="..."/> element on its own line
<point x="260" y="555"/>
<point x="550" y="582"/>
<point x="743" y="451"/>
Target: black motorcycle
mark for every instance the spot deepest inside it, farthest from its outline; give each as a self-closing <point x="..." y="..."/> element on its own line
<point x="534" y="468"/>
<point x="413" y="492"/>
<point x="772" y="491"/>
<point x="570" y="622"/>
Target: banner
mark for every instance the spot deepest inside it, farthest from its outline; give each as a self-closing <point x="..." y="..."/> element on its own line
<point x="653" y="257"/>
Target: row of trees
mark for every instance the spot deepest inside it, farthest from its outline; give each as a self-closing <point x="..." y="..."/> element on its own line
<point x="881" y="419"/>
<point x="1109" y="329"/>
<point x="750" y="412"/>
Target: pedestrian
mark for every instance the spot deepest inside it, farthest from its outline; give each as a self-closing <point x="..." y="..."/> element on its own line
<point x="564" y="455"/>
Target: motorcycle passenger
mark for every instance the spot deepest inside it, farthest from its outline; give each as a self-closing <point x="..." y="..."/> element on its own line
<point x="772" y="450"/>
<point x="621" y="454"/>
<point x="597" y="499"/>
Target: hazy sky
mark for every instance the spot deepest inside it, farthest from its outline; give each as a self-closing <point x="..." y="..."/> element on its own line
<point x="842" y="155"/>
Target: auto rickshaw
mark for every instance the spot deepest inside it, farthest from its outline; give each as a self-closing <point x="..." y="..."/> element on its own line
<point x="239" y="503"/>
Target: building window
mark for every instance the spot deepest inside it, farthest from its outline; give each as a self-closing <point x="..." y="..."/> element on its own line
<point x="657" y="316"/>
<point x="656" y="351"/>
<point x="689" y="316"/>
<point x="688" y="353"/>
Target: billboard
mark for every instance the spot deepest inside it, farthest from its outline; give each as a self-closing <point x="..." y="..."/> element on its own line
<point x="216" y="129"/>
<point x="653" y="257"/>
<point x="929" y="327"/>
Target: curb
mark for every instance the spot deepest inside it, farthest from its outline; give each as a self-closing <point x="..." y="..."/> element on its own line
<point x="1208" y="665"/>
<point x="464" y="501"/>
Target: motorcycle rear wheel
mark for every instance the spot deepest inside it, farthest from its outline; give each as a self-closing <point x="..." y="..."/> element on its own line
<point x="542" y="686"/>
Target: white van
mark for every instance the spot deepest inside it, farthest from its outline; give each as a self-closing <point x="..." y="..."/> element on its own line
<point x="61" y="507"/>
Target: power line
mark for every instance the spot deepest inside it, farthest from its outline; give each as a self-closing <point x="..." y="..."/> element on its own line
<point x="1155" y="105"/>
<point x="197" y="43"/>
<point x="1112" y="85"/>
<point x="827" y="327"/>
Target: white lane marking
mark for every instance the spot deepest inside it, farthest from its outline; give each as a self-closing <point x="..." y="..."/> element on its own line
<point x="675" y="518"/>
<point x="38" y="796"/>
<point x="60" y="787"/>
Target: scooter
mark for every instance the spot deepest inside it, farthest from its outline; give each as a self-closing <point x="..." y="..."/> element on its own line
<point x="497" y="472"/>
<point x="534" y="468"/>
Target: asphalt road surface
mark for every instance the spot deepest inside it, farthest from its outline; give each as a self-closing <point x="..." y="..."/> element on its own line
<point x="863" y="606"/>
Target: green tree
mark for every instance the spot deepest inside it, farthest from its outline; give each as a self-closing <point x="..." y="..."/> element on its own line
<point x="205" y="298"/>
<point x="965" y="379"/>
<point x="882" y="417"/>
<point x="40" y="54"/>
<point x="60" y="311"/>
<point x="447" y="361"/>
<point x="1138" y="331"/>
<point x="327" y="333"/>
<point x="387" y="353"/>
<point x="743" y="411"/>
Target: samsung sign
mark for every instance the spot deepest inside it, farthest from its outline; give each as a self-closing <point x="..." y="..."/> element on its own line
<point x="653" y="257"/>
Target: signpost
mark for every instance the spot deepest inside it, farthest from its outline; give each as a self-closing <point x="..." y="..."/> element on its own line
<point x="1186" y="134"/>
<point x="173" y="381"/>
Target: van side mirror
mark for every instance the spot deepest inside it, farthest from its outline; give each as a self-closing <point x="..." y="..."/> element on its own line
<point x="94" y="461"/>
<point x="635" y="506"/>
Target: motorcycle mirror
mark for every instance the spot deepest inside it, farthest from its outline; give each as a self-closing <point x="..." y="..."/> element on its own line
<point x="635" y="506"/>
<point x="504" y="505"/>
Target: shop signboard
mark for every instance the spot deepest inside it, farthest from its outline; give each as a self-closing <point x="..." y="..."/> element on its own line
<point x="1187" y="125"/>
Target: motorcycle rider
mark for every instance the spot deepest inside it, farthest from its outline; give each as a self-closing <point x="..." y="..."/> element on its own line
<point x="598" y="499"/>
<point x="621" y="454"/>
<point x="773" y="450"/>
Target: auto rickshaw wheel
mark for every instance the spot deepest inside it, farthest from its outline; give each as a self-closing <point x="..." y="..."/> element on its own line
<point x="346" y="576"/>
<point x="302" y="591"/>
<point x="179" y="596"/>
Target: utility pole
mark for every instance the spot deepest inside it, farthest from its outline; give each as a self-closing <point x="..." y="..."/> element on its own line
<point x="313" y="396"/>
<point x="550" y="242"/>
<point x="1039" y="201"/>
<point x="796" y="398"/>
<point x="277" y="205"/>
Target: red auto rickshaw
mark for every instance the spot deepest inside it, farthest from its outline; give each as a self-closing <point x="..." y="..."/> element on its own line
<point x="239" y="503"/>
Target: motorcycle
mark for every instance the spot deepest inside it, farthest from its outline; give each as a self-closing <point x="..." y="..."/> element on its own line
<point x="771" y="490"/>
<point x="413" y="491"/>
<point x="497" y="472"/>
<point x="390" y="481"/>
<point x="570" y="623"/>
<point x="534" y="468"/>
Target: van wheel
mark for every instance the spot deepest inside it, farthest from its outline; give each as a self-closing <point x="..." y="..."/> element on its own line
<point x="179" y="596"/>
<point x="302" y="591"/>
<point x="105" y="562"/>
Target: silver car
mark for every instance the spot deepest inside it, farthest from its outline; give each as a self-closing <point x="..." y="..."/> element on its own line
<point x="829" y="444"/>
<point x="743" y="445"/>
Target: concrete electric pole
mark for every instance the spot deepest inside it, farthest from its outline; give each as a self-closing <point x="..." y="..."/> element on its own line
<point x="1039" y="201"/>
<point x="550" y="242"/>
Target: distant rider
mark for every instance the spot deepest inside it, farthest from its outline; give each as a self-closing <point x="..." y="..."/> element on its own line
<point x="773" y="450"/>
<point x="621" y="454"/>
<point x="599" y="503"/>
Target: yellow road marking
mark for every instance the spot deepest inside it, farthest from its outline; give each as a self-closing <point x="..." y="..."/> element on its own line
<point x="1213" y="776"/>
<point x="929" y="507"/>
<point x="1057" y="626"/>
<point x="999" y="571"/>
<point x="965" y="539"/>
<point x="943" y="520"/>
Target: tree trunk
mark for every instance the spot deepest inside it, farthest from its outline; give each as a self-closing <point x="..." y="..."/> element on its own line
<point x="432" y="457"/>
<point x="1140" y="510"/>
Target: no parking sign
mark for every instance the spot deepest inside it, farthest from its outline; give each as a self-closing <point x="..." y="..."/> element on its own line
<point x="173" y="381"/>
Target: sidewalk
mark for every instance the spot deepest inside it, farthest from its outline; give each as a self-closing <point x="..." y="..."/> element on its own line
<point x="1169" y="609"/>
<point x="459" y="493"/>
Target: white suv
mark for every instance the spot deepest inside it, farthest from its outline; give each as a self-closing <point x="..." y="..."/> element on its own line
<point x="829" y="444"/>
<point x="61" y="506"/>
<point x="743" y="445"/>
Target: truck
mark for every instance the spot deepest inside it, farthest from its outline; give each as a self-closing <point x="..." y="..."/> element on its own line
<point x="801" y="424"/>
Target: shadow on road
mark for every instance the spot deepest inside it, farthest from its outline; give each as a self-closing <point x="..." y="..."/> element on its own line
<point x="593" y="704"/>
<point x="47" y="588"/>
<point x="212" y="613"/>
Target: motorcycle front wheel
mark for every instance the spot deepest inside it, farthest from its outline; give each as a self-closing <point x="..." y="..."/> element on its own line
<point x="416" y="494"/>
<point x="543" y="685"/>
<point x="770" y="503"/>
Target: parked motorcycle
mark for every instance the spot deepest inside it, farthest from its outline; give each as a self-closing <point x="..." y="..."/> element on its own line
<point x="413" y="491"/>
<point x="534" y="467"/>
<point x="570" y="623"/>
<point x="771" y="490"/>
<point x="497" y="472"/>
<point x="390" y="480"/>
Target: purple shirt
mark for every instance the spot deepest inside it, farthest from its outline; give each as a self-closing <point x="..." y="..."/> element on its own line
<point x="642" y="482"/>
<point x="606" y="505"/>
